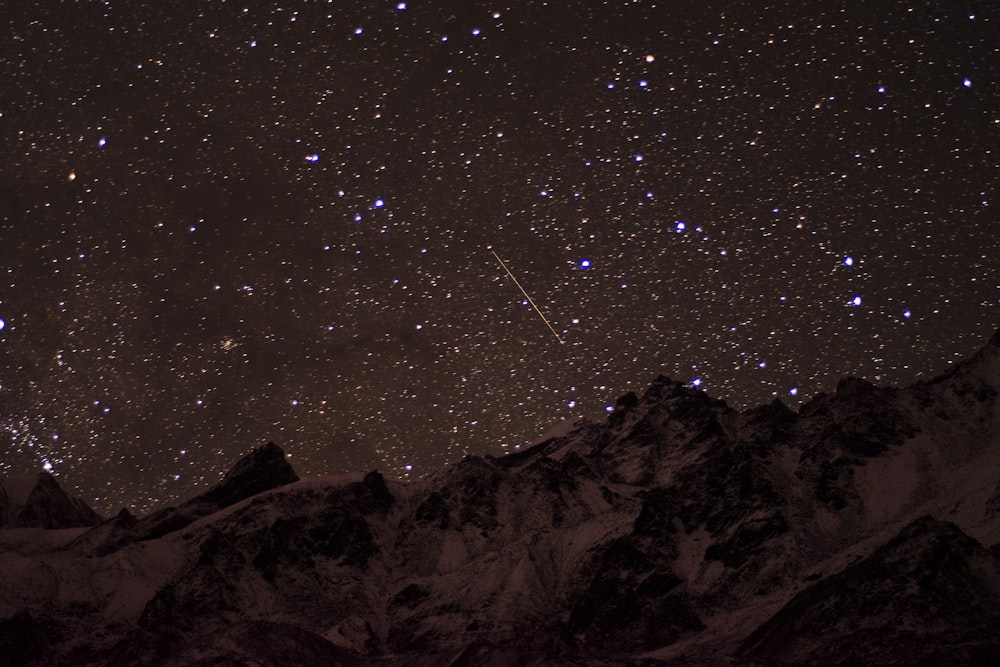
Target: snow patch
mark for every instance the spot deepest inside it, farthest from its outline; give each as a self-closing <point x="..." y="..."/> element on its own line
<point x="560" y="430"/>
<point x="454" y="553"/>
<point x="690" y="561"/>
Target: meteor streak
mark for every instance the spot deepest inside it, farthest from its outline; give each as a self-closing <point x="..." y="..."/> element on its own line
<point x="526" y="296"/>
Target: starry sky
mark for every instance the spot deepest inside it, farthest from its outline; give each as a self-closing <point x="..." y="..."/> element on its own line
<point x="227" y="222"/>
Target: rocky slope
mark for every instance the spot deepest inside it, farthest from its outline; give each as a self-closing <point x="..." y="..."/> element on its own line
<point x="861" y="529"/>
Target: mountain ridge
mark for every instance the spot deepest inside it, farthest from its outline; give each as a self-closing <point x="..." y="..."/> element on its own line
<point x="678" y="531"/>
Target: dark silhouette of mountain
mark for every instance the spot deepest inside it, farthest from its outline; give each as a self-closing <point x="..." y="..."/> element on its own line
<point x="262" y="469"/>
<point x="40" y="502"/>
<point x="862" y="529"/>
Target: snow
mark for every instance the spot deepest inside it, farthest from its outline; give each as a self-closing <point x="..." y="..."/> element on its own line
<point x="889" y="484"/>
<point x="691" y="556"/>
<point x="560" y="430"/>
<point x="513" y="564"/>
<point x="454" y="553"/>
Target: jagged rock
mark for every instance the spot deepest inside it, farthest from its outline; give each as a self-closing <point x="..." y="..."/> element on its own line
<point x="679" y="530"/>
<point x="930" y="596"/>
<point x="632" y="601"/>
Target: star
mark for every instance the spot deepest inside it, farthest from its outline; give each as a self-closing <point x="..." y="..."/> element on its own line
<point x="289" y="216"/>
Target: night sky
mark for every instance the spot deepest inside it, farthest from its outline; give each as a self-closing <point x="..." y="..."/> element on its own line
<point x="223" y="223"/>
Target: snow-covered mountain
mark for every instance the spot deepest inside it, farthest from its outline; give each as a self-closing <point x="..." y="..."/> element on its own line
<point x="862" y="529"/>
<point x="39" y="502"/>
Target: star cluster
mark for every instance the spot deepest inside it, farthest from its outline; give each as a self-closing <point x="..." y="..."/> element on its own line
<point x="226" y="222"/>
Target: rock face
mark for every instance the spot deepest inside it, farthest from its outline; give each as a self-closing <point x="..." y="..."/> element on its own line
<point x="41" y="503"/>
<point x="862" y="529"/>
<point x="930" y="596"/>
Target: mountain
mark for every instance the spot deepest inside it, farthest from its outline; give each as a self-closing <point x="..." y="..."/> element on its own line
<point x="861" y="529"/>
<point x="39" y="502"/>
<point x="262" y="469"/>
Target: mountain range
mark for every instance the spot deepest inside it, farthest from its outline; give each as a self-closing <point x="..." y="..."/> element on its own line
<point x="861" y="529"/>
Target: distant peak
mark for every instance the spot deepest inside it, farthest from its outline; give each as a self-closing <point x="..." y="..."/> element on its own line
<point x="265" y="468"/>
<point x="40" y="502"/>
<point x="854" y="385"/>
<point x="662" y="388"/>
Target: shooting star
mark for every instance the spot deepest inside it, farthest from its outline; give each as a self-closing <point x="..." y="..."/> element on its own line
<point x="526" y="296"/>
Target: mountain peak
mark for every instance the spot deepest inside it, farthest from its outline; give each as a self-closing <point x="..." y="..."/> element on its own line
<point x="41" y="503"/>
<point x="994" y="340"/>
<point x="861" y="529"/>
<point x="265" y="468"/>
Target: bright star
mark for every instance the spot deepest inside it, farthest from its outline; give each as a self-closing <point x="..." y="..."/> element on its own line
<point x="856" y="301"/>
